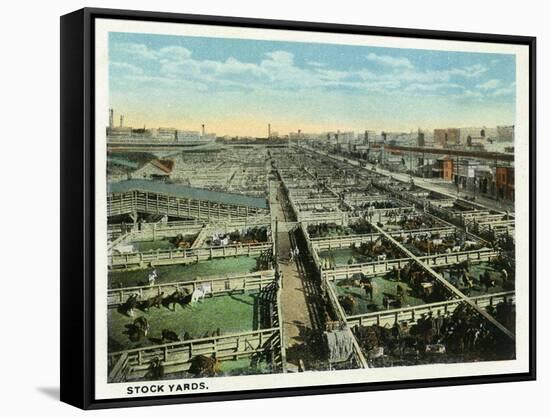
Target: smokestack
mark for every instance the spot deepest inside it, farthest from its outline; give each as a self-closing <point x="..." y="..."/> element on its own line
<point x="121" y="121"/>
<point x="111" y="123"/>
<point x="268" y="130"/>
<point x="203" y="131"/>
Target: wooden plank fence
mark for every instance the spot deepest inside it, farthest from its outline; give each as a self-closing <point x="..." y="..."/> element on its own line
<point x="177" y="356"/>
<point x="219" y="285"/>
<point x="156" y="203"/>
<point x="347" y="240"/>
<point x="412" y="313"/>
<point x="381" y="267"/>
<point x="185" y="256"/>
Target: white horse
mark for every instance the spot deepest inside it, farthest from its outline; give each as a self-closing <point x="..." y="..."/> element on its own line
<point x="152" y="277"/>
<point x="200" y="292"/>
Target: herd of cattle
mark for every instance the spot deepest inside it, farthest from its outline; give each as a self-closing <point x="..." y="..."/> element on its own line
<point x="139" y="329"/>
<point x="413" y="280"/>
<point x="464" y="334"/>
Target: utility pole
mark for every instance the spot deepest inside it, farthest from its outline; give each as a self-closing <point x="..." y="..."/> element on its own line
<point x="496" y="180"/>
<point x="423" y="164"/>
<point x="457" y="178"/>
<point x="410" y="162"/>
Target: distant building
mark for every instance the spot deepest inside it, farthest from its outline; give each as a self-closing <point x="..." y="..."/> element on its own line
<point x="505" y="133"/>
<point x="156" y="169"/>
<point x="421" y="141"/>
<point x="165" y="134"/>
<point x="474" y="140"/>
<point x="444" y="168"/>
<point x="445" y="137"/>
<point x="505" y="182"/>
<point x="188" y="135"/>
<point x="347" y="137"/>
<point x="483" y="179"/>
<point x="119" y="132"/>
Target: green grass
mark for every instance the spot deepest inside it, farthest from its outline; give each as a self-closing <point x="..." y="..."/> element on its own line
<point x="166" y="274"/>
<point x="230" y="313"/>
<point x="341" y="256"/>
<point x="364" y="304"/>
<point x="477" y="270"/>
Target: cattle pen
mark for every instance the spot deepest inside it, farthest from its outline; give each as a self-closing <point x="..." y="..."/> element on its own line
<point x="294" y="261"/>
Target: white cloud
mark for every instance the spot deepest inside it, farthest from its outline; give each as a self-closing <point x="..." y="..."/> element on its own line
<point x="316" y="64"/>
<point x="277" y="71"/>
<point x="281" y="57"/>
<point x="125" y="68"/>
<point x="471" y="71"/>
<point x="490" y="85"/>
<point x="432" y="87"/>
<point x="390" y="61"/>
<point x="504" y="91"/>
<point x="173" y="52"/>
<point x="472" y="94"/>
<point x="134" y="50"/>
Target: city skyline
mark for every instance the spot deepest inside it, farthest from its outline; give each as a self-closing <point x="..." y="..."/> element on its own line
<point x="237" y="86"/>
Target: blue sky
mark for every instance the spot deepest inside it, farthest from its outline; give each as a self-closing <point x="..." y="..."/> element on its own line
<point x="237" y="86"/>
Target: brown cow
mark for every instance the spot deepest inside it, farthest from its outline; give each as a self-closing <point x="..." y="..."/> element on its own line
<point x="152" y="301"/>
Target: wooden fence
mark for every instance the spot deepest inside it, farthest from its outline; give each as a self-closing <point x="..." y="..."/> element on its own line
<point x="358" y="355"/>
<point x="346" y="241"/>
<point x="219" y="285"/>
<point x="156" y="203"/>
<point x="381" y="267"/>
<point x="185" y="256"/>
<point x="176" y="357"/>
<point x="338" y="217"/>
<point x="412" y="313"/>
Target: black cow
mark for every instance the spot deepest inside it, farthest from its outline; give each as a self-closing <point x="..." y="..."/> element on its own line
<point x="169" y="336"/>
<point x="131" y="303"/>
<point x="486" y="280"/>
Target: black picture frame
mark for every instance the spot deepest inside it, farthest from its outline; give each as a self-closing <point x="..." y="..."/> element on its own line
<point x="77" y="205"/>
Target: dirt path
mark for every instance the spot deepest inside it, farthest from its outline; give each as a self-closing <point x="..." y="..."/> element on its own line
<point x="299" y="295"/>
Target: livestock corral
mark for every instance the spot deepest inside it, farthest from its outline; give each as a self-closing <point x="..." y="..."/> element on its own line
<point x="269" y="259"/>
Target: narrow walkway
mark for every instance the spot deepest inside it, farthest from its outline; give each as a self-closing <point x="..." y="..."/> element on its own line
<point x="299" y="295"/>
